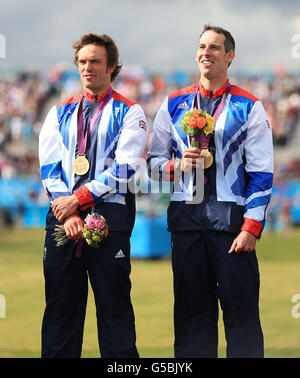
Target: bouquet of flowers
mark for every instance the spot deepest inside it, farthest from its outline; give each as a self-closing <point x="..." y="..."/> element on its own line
<point x="94" y="230"/>
<point x="198" y="125"/>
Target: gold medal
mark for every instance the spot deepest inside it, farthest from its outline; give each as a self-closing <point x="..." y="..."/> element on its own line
<point x="208" y="158"/>
<point x="81" y="165"/>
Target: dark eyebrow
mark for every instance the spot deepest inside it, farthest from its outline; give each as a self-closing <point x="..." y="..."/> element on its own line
<point x="91" y="59"/>
<point x="212" y="45"/>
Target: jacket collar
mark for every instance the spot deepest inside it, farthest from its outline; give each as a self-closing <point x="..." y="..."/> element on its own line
<point x="97" y="98"/>
<point x="212" y="94"/>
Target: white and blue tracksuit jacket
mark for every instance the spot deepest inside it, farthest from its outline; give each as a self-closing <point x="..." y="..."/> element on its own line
<point x="114" y="149"/>
<point x="239" y="184"/>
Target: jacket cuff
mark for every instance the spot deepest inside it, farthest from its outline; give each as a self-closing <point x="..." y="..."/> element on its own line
<point x="172" y="170"/>
<point x="84" y="197"/>
<point x="168" y="171"/>
<point x="252" y="226"/>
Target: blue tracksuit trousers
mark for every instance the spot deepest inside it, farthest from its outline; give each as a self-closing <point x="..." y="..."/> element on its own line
<point x="204" y="273"/>
<point x="66" y="289"/>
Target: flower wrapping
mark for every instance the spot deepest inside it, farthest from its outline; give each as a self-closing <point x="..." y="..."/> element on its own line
<point x="94" y="230"/>
<point x="198" y="124"/>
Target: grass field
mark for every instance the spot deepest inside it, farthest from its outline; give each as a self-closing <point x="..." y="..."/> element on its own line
<point x="22" y="299"/>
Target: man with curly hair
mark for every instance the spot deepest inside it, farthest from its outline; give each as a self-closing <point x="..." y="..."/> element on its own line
<point x="89" y="147"/>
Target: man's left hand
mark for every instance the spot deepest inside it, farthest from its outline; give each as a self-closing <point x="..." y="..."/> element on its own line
<point x="244" y="242"/>
<point x="64" y="206"/>
<point x="73" y="226"/>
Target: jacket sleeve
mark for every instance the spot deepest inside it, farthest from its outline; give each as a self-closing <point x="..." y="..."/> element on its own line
<point x="160" y="162"/>
<point x="129" y="152"/>
<point x="50" y="157"/>
<point x="259" y="170"/>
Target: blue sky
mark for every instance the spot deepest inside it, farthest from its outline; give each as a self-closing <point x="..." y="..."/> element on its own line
<point x="156" y="34"/>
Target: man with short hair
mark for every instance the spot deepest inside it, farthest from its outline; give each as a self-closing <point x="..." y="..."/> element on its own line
<point x="213" y="241"/>
<point x="89" y="148"/>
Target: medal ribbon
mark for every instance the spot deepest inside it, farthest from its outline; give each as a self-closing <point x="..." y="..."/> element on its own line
<point x="204" y="139"/>
<point x="81" y="136"/>
<point x="82" y="140"/>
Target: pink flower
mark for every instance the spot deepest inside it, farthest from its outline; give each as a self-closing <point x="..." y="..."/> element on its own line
<point x="90" y="222"/>
<point x="100" y="224"/>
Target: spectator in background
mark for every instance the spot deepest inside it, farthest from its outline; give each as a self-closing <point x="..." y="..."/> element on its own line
<point x="285" y="217"/>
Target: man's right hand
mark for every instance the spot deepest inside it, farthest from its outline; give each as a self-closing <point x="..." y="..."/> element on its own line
<point x="191" y="159"/>
<point x="73" y="225"/>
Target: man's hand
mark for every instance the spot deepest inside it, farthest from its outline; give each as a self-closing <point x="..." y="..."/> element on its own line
<point x="64" y="206"/>
<point x="245" y="241"/>
<point x="73" y="226"/>
<point x="191" y="159"/>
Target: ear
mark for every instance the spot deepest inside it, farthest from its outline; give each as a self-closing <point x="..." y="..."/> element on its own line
<point x="111" y="69"/>
<point x="230" y="56"/>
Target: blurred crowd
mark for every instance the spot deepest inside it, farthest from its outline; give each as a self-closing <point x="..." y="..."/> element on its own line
<point x="25" y="98"/>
